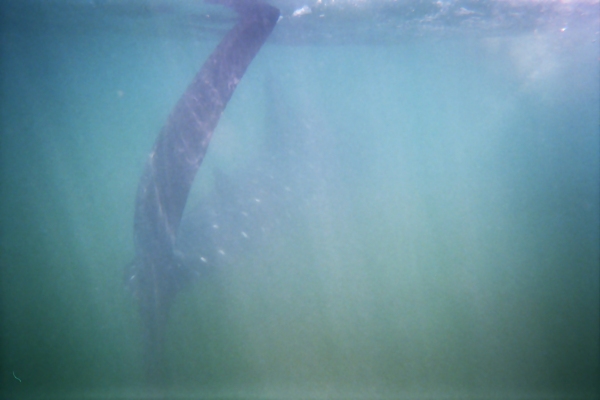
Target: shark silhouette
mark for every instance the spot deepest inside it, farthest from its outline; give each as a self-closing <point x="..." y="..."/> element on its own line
<point x="158" y="273"/>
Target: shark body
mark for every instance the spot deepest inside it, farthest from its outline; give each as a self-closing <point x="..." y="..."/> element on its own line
<point x="157" y="273"/>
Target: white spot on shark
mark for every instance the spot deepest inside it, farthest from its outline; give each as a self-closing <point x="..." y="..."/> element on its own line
<point x="302" y="11"/>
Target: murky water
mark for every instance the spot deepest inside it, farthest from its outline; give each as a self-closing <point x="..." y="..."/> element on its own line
<point x="400" y="216"/>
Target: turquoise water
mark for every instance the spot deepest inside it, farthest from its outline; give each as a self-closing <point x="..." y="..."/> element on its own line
<point x="436" y="228"/>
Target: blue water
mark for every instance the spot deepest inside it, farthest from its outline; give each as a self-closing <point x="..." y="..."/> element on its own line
<point x="425" y="180"/>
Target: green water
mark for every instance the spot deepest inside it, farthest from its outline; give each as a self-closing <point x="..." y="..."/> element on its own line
<point x="442" y="236"/>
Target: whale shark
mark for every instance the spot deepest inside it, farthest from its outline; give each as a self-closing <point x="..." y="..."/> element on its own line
<point x="159" y="271"/>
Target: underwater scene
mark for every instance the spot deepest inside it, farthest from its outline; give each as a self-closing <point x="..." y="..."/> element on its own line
<point x="400" y="199"/>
